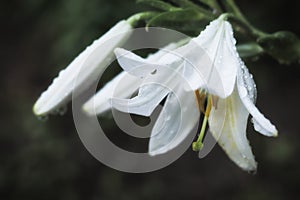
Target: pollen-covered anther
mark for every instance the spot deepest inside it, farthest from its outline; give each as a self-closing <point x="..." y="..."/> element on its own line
<point x="200" y="99"/>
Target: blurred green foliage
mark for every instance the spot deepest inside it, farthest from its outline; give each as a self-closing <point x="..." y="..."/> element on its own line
<point x="46" y="160"/>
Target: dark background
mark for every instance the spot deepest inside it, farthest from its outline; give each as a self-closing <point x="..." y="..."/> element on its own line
<point x="46" y="160"/>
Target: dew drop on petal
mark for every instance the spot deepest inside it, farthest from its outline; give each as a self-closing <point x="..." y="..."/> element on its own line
<point x="252" y="172"/>
<point x="168" y="118"/>
<point x="243" y="92"/>
<point x="154" y="72"/>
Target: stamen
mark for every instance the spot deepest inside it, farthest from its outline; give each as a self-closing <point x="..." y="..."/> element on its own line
<point x="200" y="96"/>
<point x="198" y="145"/>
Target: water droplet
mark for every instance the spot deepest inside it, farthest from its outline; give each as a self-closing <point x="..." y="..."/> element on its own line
<point x="243" y="92"/>
<point x="43" y="118"/>
<point x="168" y="118"/>
<point x="154" y="72"/>
<point x="252" y="172"/>
<point x="61" y="72"/>
<point x="55" y="80"/>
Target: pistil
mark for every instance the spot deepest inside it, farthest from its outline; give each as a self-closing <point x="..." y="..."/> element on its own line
<point x="198" y="145"/>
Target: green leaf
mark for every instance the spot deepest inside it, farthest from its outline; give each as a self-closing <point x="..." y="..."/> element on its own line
<point x="186" y="20"/>
<point x="158" y="4"/>
<point x="211" y="3"/>
<point x="283" y="46"/>
<point x="190" y="4"/>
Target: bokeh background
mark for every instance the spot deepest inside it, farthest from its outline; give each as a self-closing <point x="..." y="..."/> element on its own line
<point x="46" y="160"/>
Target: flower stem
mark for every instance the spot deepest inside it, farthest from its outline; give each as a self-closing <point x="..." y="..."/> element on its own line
<point x="240" y="21"/>
<point x="143" y="16"/>
<point x="189" y="4"/>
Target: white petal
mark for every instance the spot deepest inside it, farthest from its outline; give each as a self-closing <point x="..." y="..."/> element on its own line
<point x="153" y="90"/>
<point x="228" y="125"/>
<point x="121" y="86"/>
<point x="247" y="92"/>
<point x="174" y="122"/>
<point x="92" y="60"/>
<point x="133" y="63"/>
<point x="141" y="67"/>
<point x="214" y="58"/>
<point x="161" y="52"/>
<point x="148" y="98"/>
<point x="176" y="55"/>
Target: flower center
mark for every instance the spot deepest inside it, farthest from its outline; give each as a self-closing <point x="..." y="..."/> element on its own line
<point x="201" y="96"/>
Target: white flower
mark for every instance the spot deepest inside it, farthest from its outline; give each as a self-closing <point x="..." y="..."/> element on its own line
<point x="200" y="63"/>
<point x="225" y="76"/>
<point x="100" y="53"/>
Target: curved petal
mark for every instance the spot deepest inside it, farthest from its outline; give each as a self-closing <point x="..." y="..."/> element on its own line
<point x="228" y="125"/>
<point x="133" y="63"/>
<point x="174" y="122"/>
<point x="155" y="57"/>
<point x="247" y="91"/>
<point x="148" y="98"/>
<point x="99" y="54"/>
<point x="155" y="87"/>
<point x="216" y="60"/>
<point x="142" y="67"/>
<point x="121" y="86"/>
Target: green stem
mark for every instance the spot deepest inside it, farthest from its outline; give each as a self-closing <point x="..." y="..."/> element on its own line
<point x="213" y="4"/>
<point x="240" y="22"/>
<point x="158" y="4"/>
<point x="189" y="4"/>
<point x="143" y="16"/>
